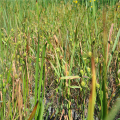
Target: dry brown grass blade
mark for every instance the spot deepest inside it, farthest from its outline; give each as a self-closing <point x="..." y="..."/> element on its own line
<point x="13" y="90"/>
<point x="1" y="98"/>
<point x="110" y="34"/>
<point x="17" y="94"/>
<point x="111" y="98"/>
<point x="33" y="112"/>
<point x="56" y="40"/>
<point x="65" y="117"/>
<point x="58" y="43"/>
<point x="62" y="114"/>
<point x="20" y="101"/>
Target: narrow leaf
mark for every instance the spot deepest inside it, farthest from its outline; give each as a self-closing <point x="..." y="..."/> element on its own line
<point x="69" y="77"/>
<point x="33" y="112"/>
<point x="93" y="93"/>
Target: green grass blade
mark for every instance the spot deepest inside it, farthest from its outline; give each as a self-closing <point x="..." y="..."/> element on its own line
<point x="74" y="87"/>
<point x="56" y="71"/>
<point x="41" y="71"/>
<point x="115" y="109"/>
<point x="69" y="77"/>
<point x="36" y="71"/>
<point x="114" y="46"/>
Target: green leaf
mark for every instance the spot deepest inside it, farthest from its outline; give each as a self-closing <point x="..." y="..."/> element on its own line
<point x="115" y="109"/>
<point x="75" y="86"/>
<point x="69" y="77"/>
<point x="114" y="46"/>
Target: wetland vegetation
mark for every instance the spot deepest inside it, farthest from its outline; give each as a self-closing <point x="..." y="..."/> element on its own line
<point x="59" y="59"/>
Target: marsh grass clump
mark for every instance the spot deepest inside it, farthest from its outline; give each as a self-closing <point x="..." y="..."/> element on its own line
<point x="58" y="58"/>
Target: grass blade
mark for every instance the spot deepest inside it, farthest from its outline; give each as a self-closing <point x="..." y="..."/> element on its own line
<point x="33" y="112"/>
<point x="93" y="92"/>
<point x="69" y="77"/>
<point x="114" y="111"/>
<point x="114" y="46"/>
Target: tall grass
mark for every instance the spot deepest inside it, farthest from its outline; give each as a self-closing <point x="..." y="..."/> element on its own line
<point x="62" y="55"/>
